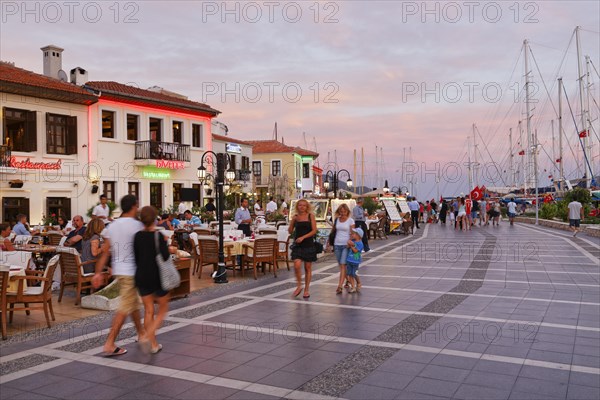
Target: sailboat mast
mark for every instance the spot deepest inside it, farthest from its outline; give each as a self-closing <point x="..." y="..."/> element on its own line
<point x="376" y="166"/>
<point x="528" y="107"/>
<point x="553" y="148"/>
<point x="535" y="178"/>
<point x="522" y="158"/>
<point x="470" y="166"/>
<point x="588" y="87"/>
<point x="362" y="170"/>
<point x="512" y="159"/>
<point x="560" y="136"/>
<point x="584" y="127"/>
<point x="475" y="164"/>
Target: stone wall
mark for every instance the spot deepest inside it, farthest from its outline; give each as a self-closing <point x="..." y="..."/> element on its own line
<point x="592" y="230"/>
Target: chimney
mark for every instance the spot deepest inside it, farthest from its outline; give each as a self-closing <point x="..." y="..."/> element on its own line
<point x="79" y="76"/>
<point x="52" y="61"/>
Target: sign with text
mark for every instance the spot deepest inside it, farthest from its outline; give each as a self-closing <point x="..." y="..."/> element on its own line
<point x="169" y="164"/>
<point x="28" y="164"/>
<point x="153" y="173"/>
<point x="233" y="148"/>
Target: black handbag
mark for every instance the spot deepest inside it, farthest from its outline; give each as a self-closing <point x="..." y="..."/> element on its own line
<point x="318" y="247"/>
<point x="331" y="238"/>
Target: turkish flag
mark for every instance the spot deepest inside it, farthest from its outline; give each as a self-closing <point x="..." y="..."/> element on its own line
<point x="522" y="153"/>
<point x="476" y="193"/>
<point x="583" y="134"/>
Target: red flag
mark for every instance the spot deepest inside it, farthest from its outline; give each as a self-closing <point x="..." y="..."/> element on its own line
<point x="476" y="193"/>
<point x="558" y="160"/>
<point x="522" y="153"/>
<point x="583" y="134"/>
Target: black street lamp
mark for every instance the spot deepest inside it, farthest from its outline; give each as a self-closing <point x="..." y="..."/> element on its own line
<point x="334" y="177"/>
<point x="386" y="187"/>
<point x="223" y="178"/>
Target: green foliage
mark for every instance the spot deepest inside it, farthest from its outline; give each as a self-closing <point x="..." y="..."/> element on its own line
<point x="578" y="194"/>
<point x="548" y="211"/>
<point x="562" y="210"/>
<point x="370" y="205"/>
<point x="276" y="216"/>
<point x="112" y="206"/>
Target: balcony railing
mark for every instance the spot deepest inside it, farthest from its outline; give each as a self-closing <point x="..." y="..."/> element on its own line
<point x="4" y="156"/>
<point x="243" y="175"/>
<point x="261" y="180"/>
<point x="152" y="150"/>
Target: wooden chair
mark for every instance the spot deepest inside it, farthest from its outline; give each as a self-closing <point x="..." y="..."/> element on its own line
<point x="207" y="253"/>
<point x="267" y="231"/>
<point x="283" y="252"/>
<point x="372" y="234"/>
<point x="54" y="238"/>
<point x="202" y="231"/>
<point x="3" y="287"/>
<point x="72" y="273"/>
<point x="263" y="252"/>
<point x="34" y="294"/>
<point x="381" y="228"/>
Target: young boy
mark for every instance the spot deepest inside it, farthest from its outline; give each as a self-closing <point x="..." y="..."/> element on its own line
<point x="355" y="247"/>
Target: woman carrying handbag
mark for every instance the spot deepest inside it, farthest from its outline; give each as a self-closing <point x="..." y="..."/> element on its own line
<point x="303" y="226"/>
<point x="147" y="275"/>
<point x="340" y="234"/>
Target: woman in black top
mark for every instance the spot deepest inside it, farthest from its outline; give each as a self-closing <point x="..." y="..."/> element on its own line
<point x="147" y="278"/>
<point x="305" y="227"/>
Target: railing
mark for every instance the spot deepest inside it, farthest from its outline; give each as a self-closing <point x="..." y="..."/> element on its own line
<point x="261" y="180"/>
<point x="4" y="156"/>
<point x="152" y="150"/>
<point x="243" y="175"/>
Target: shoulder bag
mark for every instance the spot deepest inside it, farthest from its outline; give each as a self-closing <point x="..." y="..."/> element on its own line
<point x="318" y="245"/>
<point x="169" y="276"/>
<point x="331" y="238"/>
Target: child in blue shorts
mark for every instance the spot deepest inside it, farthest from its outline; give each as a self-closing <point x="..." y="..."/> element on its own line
<point x="355" y="247"/>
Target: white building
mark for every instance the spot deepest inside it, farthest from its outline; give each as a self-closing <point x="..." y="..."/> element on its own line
<point x="240" y="155"/>
<point x="64" y="144"/>
<point x="45" y="136"/>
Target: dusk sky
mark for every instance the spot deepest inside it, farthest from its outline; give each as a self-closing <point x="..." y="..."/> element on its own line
<point x="361" y="67"/>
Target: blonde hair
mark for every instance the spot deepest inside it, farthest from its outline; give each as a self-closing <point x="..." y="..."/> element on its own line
<point x="309" y="207"/>
<point x="342" y="206"/>
<point x="95" y="227"/>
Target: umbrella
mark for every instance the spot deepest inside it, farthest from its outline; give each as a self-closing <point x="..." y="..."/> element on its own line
<point x="374" y="193"/>
<point x="510" y="196"/>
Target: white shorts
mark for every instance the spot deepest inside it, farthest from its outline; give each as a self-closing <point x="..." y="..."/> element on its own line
<point x="462" y="213"/>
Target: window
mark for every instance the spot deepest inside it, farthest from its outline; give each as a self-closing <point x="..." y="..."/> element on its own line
<point x="245" y="163"/>
<point x="58" y="206"/>
<point x="156" y="196"/>
<point x="256" y="168"/>
<point x="133" y="123"/>
<point x="276" y="167"/>
<point x="198" y="188"/>
<point x="134" y="189"/>
<point x="20" y="129"/>
<point x="108" y="188"/>
<point x="108" y="124"/>
<point x="305" y="170"/>
<point x="232" y="161"/>
<point x="177" y="132"/>
<point x="177" y="193"/>
<point x="61" y="137"/>
<point x="196" y="135"/>
<point x="13" y="206"/>
<point x="156" y="129"/>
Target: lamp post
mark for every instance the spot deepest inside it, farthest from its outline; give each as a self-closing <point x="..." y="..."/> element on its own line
<point x="334" y="177"/>
<point x="223" y="178"/>
<point x="386" y="187"/>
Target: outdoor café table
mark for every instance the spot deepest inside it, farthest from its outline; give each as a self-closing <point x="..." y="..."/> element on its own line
<point x="40" y="254"/>
<point x="14" y="270"/>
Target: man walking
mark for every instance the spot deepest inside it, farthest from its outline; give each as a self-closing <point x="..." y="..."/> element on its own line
<point x="512" y="212"/>
<point x="414" y="211"/>
<point x="358" y="215"/>
<point x="575" y="216"/>
<point x="119" y="238"/>
<point x="102" y="210"/>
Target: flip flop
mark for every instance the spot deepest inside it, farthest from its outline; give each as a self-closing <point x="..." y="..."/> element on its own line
<point x="156" y="350"/>
<point x="297" y="292"/>
<point x="306" y="296"/>
<point x="118" y="351"/>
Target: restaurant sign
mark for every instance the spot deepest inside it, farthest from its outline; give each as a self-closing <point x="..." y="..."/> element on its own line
<point x="233" y="148"/>
<point x="28" y="164"/>
<point x="168" y="164"/>
<point x="153" y="173"/>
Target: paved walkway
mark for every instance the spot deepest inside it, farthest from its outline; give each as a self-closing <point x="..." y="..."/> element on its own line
<point x="495" y="313"/>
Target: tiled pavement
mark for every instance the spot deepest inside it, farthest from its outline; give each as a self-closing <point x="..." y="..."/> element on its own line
<point x="495" y="313"/>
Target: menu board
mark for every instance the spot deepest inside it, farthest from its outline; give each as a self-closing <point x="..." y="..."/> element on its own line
<point x="392" y="210"/>
<point x="320" y="208"/>
<point x="403" y="204"/>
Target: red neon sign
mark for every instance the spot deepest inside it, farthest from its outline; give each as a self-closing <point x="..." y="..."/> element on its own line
<point x="28" y="164"/>
<point x="170" y="164"/>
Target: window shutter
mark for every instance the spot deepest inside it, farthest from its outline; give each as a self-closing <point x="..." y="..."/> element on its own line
<point x="31" y="131"/>
<point x="72" y="135"/>
<point x="49" y="137"/>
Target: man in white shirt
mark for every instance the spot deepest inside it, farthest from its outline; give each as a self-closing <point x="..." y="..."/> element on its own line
<point x="102" y="210"/>
<point x="181" y="209"/>
<point x="575" y="216"/>
<point x="271" y="206"/>
<point x="119" y="237"/>
<point x="512" y="211"/>
<point x="414" y="207"/>
<point x="258" y="209"/>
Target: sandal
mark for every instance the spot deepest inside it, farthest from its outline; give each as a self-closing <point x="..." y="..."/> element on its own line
<point x="156" y="349"/>
<point x="306" y="295"/>
<point x="118" y="351"/>
<point x="339" y="290"/>
<point x="297" y="292"/>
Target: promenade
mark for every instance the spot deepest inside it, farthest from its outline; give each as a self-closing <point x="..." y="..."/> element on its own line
<point x="495" y="313"/>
